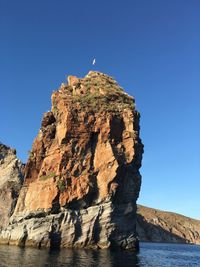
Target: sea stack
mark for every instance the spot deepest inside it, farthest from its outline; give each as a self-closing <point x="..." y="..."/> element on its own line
<point x="82" y="177"/>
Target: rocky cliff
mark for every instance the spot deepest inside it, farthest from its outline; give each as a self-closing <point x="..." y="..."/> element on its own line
<point x="11" y="178"/>
<point x="160" y="226"/>
<point x="82" y="178"/>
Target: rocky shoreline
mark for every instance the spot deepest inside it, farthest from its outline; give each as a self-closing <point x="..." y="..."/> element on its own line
<point x="160" y="226"/>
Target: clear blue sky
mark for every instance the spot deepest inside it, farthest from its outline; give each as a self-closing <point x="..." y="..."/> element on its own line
<point x="151" y="47"/>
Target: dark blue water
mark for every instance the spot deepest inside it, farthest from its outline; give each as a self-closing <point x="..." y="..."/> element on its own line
<point x="155" y="255"/>
<point x="168" y="255"/>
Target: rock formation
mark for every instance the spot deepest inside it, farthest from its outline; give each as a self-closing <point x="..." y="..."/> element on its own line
<point x="161" y="226"/>
<point x="82" y="178"/>
<point x="11" y="178"/>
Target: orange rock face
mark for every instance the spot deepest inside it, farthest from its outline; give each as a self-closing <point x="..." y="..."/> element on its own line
<point x="83" y="147"/>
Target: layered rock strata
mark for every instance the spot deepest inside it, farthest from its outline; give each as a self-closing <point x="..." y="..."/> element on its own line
<point x="82" y="178"/>
<point x="11" y="178"/>
<point x="160" y="226"/>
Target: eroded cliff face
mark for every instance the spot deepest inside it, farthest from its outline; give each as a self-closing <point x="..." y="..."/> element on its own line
<point x="11" y="178"/>
<point x="82" y="178"/>
<point x="160" y="226"/>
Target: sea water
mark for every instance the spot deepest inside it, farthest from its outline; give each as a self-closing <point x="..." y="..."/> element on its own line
<point x="151" y="255"/>
<point x="169" y="255"/>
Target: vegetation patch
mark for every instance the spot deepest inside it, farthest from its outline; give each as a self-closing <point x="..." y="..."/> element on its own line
<point x="61" y="186"/>
<point x="48" y="176"/>
<point x="109" y="102"/>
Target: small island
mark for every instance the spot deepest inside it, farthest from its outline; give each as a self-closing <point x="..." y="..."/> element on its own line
<point x="82" y="178"/>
